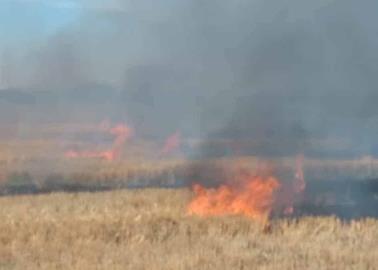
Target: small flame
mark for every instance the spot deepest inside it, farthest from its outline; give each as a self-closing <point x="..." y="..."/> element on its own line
<point x="106" y="155"/>
<point x="121" y="132"/>
<point x="293" y="191"/>
<point x="171" y="143"/>
<point x="299" y="183"/>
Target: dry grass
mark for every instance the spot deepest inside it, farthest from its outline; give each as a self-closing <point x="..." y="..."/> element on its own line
<point x="148" y="229"/>
<point x="42" y="156"/>
<point x="41" y="169"/>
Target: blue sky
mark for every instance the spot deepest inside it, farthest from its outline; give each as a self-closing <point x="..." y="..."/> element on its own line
<point x="33" y="20"/>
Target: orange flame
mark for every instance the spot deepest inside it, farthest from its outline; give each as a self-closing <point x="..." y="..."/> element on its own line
<point x="254" y="198"/>
<point x="106" y="155"/>
<point x="121" y="133"/>
<point x="250" y="195"/>
<point x="171" y="143"/>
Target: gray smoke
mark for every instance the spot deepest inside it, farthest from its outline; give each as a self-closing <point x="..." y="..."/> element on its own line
<point x="279" y="76"/>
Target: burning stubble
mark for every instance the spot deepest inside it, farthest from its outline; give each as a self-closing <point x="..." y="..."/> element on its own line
<point x="171" y="144"/>
<point x="254" y="194"/>
<point x="121" y="132"/>
<point x="246" y="78"/>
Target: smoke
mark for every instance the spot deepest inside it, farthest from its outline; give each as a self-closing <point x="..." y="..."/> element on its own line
<point x="243" y="77"/>
<point x="278" y="75"/>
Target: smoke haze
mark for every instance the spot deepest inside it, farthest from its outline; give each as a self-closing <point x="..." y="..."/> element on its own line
<point x="282" y="76"/>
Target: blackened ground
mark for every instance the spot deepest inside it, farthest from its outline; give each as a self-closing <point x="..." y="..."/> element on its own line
<point x="346" y="199"/>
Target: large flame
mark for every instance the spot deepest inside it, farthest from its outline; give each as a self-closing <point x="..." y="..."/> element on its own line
<point x="252" y="195"/>
<point x="254" y="199"/>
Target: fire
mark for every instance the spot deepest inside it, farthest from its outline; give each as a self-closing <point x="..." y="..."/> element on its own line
<point x="299" y="183"/>
<point x="253" y="198"/>
<point x="251" y="195"/>
<point x="121" y="132"/>
<point x="292" y="191"/>
<point x="106" y="155"/>
<point x="171" y="143"/>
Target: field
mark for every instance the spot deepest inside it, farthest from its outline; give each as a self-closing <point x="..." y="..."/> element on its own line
<point x="188" y="135"/>
<point x="149" y="229"/>
<point x="62" y="213"/>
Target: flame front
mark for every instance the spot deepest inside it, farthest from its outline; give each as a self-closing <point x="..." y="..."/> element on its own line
<point x="253" y="198"/>
<point x="121" y="132"/>
<point x="251" y="195"/>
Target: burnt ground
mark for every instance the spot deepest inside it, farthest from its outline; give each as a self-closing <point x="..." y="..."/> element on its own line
<point x="346" y="198"/>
